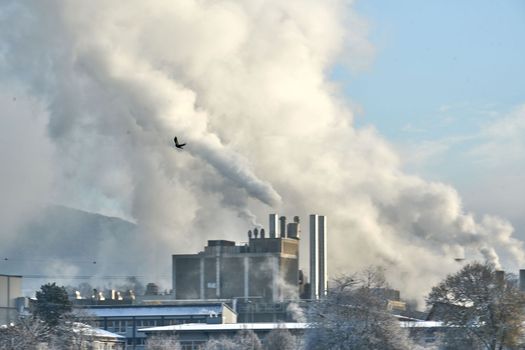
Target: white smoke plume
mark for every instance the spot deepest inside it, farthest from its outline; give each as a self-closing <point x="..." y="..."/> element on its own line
<point x="245" y="85"/>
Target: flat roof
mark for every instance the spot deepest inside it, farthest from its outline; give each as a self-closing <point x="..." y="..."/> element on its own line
<point x="226" y="327"/>
<point x="264" y="326"/>
<point x="421" y="324"/>
<point x="156" y="310"/>
<point x="95" y="332"/>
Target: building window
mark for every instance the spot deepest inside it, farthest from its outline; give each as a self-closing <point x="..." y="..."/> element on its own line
<point x="146" y="323"/>
<point x="117" y="326"/>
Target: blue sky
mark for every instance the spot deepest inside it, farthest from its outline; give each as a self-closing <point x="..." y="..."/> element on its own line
<point x="445" y="87"/>
<point x="438" y="55"/>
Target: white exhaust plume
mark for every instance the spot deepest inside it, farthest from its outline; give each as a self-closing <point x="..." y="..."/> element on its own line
<point x="245" y="86"/>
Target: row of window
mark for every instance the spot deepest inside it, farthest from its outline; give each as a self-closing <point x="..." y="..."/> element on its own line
<point x="120" y="326"/>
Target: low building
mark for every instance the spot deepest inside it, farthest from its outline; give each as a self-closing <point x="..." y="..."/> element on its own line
<point x="192" y="336"/>
<point x="126" y="320"/>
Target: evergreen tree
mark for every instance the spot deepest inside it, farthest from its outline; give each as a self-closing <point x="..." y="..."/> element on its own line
<point x="52" y="303"/>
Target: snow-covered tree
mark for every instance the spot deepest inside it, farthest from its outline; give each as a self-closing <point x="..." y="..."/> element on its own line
<point x="483" y="307"/>
<point x="243" y="340"/>
<point x="163" y="342"/>
<point x="247" y="340"/>
<point x="64" y="333"/>
<point x="354" y="316"/>
<point x="220" y="343"/>
<point x="26" y="333"/>
<point x="32" y="333"/>
<point x="281" y="339"/>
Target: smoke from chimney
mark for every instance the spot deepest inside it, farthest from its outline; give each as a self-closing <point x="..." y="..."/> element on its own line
<point x="250" y="93"/>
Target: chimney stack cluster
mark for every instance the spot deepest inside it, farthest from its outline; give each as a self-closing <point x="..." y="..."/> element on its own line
<point x="278" y="228"/>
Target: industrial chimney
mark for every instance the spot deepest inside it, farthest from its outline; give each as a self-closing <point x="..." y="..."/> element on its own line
<point x="318" y="256"/>
<point x="273" y="225"/>
<point x="282" y="226"/>
<point x="293" y="228"/>
<point x="500" y="277"/>
<point x="314" y="257"/>
<point x="522" y="280"/>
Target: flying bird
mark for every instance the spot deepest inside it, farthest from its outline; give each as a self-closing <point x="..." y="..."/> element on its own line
<point x="177" y="144"/>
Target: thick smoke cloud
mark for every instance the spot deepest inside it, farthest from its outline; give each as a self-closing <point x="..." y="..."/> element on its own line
<point x="245" y="85"/>
<point x="25" y="159"/>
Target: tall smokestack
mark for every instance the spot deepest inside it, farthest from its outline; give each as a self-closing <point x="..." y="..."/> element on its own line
<point x="314" y="257"/>
<point x="522" y="280"/>
<point x="294" y="228"/>
<point x="282" y="226"/>
<point x="323" y="270"/>
<point x="273" y="225"/>
<point x="318" y="256"/>
<point x="500" y="278"/>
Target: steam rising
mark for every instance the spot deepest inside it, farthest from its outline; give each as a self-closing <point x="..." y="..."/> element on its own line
<point x="245" y="85"/>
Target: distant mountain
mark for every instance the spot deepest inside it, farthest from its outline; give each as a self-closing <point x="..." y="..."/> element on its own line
<point x="62" y="233"/>
<point x="62" y="242"/>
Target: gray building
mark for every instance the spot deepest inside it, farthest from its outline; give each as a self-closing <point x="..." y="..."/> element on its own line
<point x="265" y="268"/>
<point x="125" y="320"/>
<point x="10" y="291"/>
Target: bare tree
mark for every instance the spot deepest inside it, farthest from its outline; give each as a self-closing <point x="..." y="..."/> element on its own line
<point x="219" y="343"/>
<point x="26" y="334"/>
<point x="281" y="339"/>
<point x="247" y="340"/>
<point x="31" y="332"/>
<point x="243" y="340"/>
<point x="483" y="307"/>
<point x="354" y="316"/>
<point x="163" y="342"/>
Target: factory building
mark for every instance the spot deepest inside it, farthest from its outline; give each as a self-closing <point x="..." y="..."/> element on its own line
<point x="265" y="268"/>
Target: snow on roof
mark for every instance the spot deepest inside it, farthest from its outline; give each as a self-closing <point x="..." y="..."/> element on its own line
<point x="226" y="327"/>
<point x="94" y="332"/>
<point x="264" y="326"/>
<point x="421" y="324"/>
<point x="97" y="332"/>
<point x="145" y="311"/>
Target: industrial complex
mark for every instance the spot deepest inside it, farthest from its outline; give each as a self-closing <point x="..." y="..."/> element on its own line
<point x="257" y="285"/>
<point x="259" y="281"/>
